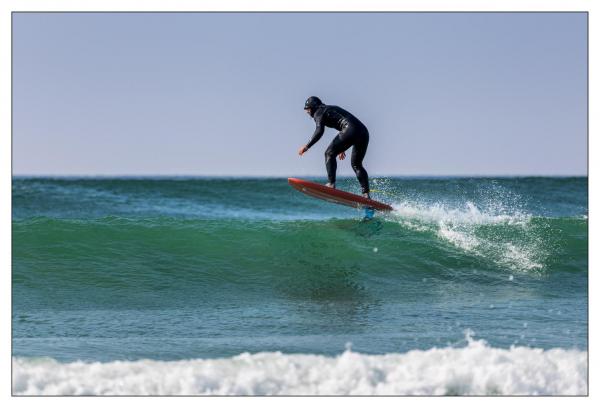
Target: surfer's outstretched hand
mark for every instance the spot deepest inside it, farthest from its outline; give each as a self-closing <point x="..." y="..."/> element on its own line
<point x="302" y="150"/>
<point x="342" y="155"/>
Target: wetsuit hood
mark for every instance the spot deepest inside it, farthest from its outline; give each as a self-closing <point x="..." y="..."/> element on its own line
<point x="312" y="103"/>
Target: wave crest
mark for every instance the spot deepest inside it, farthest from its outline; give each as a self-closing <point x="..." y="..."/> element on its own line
<point x="509" y="238"/>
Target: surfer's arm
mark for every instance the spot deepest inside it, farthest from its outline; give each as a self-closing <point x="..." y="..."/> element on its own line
<point x="316" y="135"/>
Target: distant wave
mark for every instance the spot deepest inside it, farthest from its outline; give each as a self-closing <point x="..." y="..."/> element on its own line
<point x="476" y="369"/>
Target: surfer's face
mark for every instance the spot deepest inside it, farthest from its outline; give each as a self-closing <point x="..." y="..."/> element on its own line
<point x="307" y="110"/>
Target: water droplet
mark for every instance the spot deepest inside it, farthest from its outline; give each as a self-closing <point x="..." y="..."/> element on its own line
<point x="375" y="249"/>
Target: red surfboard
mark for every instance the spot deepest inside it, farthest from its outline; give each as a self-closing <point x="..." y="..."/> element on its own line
<point x="336" y="196"/>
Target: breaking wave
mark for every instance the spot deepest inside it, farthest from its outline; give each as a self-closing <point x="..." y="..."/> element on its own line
<point x="475" y="369"/>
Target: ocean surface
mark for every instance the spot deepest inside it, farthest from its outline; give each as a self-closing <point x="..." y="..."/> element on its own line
<point x="246" y="286"/>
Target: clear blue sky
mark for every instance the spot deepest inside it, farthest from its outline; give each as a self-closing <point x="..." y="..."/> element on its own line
<point x="222" y="94"/>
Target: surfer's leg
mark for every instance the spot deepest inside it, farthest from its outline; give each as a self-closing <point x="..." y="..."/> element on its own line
<point x="336" y="146"/>
<point x="358" y="154"/>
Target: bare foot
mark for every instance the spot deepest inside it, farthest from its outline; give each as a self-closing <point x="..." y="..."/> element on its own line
<point x="366" y="195"/>
<point x="330" y="185"/>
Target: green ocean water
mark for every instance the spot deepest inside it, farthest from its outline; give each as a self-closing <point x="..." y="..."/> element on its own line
<point x="180" y="268"/>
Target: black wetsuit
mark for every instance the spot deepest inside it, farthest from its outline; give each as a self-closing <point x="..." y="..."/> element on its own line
<point x="351" y="133"/>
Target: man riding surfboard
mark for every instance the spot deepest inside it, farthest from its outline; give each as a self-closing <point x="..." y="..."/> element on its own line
<point x="352" y="133"/>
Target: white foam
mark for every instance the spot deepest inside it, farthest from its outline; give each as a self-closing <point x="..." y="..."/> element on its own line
<point x="459" y="226"/>
<point x="462" y="239"/>
<point x="468" y="214"/>
<point x="520" y="258"/>
<point x="476" y="369"/>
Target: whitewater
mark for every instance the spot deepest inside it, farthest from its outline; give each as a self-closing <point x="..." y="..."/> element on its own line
<point x="475" y="369"/>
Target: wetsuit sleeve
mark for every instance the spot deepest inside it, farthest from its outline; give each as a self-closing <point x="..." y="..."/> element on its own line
<point x="316" y="135"/>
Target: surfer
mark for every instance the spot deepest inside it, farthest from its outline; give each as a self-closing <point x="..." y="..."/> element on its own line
<point x="351" y="133"/>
